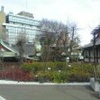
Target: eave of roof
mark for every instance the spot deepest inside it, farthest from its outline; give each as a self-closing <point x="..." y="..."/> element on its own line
<point x="8" y="54"/>
<point x="91" y="44"/>
<point x="13" y="52"/>
<point x="8" y="47"/>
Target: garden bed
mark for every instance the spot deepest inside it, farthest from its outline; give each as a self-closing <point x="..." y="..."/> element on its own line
<point x="53" y="72"/>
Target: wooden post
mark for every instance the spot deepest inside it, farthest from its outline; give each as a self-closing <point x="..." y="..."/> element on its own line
<point x="94" y="48"/>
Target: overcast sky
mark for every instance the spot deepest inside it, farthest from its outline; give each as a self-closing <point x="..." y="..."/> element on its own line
<point x="85" y="13"/>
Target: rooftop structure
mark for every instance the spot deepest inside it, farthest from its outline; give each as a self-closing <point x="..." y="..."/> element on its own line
<point x="26" y="14"/>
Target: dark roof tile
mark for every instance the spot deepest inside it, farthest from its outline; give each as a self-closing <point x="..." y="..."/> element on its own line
<point x="91" y="44"/>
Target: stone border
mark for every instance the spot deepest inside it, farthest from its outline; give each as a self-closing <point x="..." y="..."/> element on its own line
<point x="99" y="91"/>
<point x="94" y="85"/>
<point x="37" y="83"/>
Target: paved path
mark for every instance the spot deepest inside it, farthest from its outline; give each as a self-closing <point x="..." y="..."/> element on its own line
<point x="47" y="92"/>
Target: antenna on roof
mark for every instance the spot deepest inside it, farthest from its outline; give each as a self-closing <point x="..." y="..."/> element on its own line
<point x="26" y="5"/>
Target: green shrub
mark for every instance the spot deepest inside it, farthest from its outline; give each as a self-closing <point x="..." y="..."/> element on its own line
<point x="80" y="76"/>
<point x="79" y="72"/>
<point x="45" y="76"/>
<point x="60" y="65"/>
<point x="27" y="67"/>
<point x="37" y="66"/>
<point x="59" y="77"/>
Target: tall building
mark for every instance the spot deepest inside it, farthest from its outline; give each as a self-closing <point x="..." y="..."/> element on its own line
<point x="21" y="24"/>
<point x="2" y="20"/>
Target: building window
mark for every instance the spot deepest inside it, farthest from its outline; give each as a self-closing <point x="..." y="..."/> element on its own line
<point x="99" y="53"/>
<point x="86" y="54"/>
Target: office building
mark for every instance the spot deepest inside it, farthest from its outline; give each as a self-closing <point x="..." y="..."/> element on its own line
<point x="17" y="25"/>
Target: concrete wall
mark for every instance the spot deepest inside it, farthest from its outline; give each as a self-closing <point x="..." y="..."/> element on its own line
<point x="91" y="60"/>
<point x="94" y="85"/>
<point x="86" y="59"/>
<point x="2" y="17"/>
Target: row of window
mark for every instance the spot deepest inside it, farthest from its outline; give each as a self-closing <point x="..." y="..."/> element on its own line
<point x="23" y="20"/>
<point x="12" y="40"/>
<point x="86" y="54"/>
<point x="23" y="25"/>
<point x="15" y="36"/>
<point x="13" y="32"/>
<point x="20" y="29"/>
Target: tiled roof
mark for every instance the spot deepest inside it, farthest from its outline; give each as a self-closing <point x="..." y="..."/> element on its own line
<point x="91" y="44"/>
<point x="29" y="49"/>
<point x="8" y="47"/>
<point x="13" y="50"/>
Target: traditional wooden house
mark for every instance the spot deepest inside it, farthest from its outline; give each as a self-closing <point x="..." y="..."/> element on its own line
<point x="88" y="52"/>
<point x="11" y="53"/>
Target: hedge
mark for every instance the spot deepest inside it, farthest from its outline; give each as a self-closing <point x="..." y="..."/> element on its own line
<point x="60" y="71"/>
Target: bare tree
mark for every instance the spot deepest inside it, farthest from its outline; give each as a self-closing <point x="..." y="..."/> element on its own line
<point x="62" y="43"/>
<point x="3" y="34"/>
<point x="64" y="36"/>
<point x="47" y="39"/>
<point x="21" y="41"/>
<point x="3" y="37"/>
<point x="74" y="38"/>
<point x="52" y="26"/>
<point x="52" y="32"/>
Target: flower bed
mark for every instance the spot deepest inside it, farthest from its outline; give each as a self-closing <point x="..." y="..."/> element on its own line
<point x="50" y="72"/>
<point x="18" y="75"/>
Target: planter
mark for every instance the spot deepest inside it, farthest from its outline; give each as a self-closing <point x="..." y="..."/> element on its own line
<point x="94" y="85"/>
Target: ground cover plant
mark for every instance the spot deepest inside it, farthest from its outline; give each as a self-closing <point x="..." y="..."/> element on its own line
<point x="59" y="72"/>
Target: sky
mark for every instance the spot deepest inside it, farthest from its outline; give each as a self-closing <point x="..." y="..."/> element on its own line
<point x="85" y="13"/>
